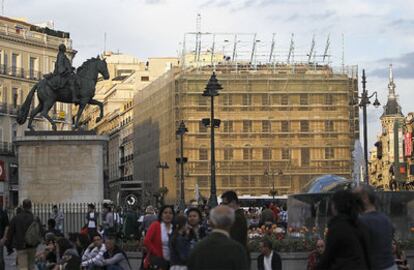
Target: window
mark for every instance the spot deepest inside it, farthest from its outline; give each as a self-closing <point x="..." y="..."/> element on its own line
<point x="267" y="154"/>
<point x="265" y="100"/>
<point x="228" y="126"/>
<point x="329" y="126"/>
<point x="245" y="181"/>
<point x="14" y="63"/>
<point x="32" y="68"/>
<point x="5" y="101"/>
<point x="329" y="153"/>
<point x="247" y="99"/>
<point x="284" y="100"/>
<point x="229" y="181"/>
<point x="227" y="100"/>
<point x="202" y="154"/>
<point x="304" y="126"/>
<point x="14" y="95"/>
<point x="202" y="101"/>
<point x="144" y="78"/>
<point x="285" y="126"/>
<point x="247" y="126"/>
<point x="285" y="153"/>
<point x="303" y="99"/>
<point x="305" y="156"/>
<point x="329" y="99"/>
<point x="266" y="126"/>
<point x="201" y="127"/>
<point x="247" y="153"/>
<point x="228" y="153"/>
<point x="202" y="181"/>
<point x="6" y="61"/>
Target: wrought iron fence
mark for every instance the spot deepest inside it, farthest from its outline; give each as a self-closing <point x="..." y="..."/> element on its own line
<point x="74" y="214"/>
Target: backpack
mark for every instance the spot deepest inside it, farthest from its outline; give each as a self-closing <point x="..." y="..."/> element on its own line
<point x="33" y="235"/>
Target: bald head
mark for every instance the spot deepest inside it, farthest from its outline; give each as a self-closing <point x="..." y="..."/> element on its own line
<point x="222" y="217"/>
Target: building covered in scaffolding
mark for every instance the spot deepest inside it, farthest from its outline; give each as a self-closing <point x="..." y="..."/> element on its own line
<point x="282" y="123"/>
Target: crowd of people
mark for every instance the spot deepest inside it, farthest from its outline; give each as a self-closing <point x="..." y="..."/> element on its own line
<point x="200" y="238"/>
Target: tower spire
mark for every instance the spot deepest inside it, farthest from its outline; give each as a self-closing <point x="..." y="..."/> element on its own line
<point x="391" y="84"/>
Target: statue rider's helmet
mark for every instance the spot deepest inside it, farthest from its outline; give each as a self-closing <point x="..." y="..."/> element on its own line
<point x="62" y="48"/>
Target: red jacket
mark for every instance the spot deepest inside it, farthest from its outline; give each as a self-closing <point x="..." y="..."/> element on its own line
<point x="152" y="240"/>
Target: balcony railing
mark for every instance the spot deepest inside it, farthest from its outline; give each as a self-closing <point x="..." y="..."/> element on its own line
<point x="6" y="148"/>
<point x="9" y="108"/>
<point x="18" y="72"/>
<point x="126" y="158"/>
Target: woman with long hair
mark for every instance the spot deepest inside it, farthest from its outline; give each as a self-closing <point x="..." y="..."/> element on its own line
<point x="347" y="240"/>
<point x="68" y="256"/>
<point x="157" y="240"/>
<point x="196" y="230"/>
<point x="180" y="244"/>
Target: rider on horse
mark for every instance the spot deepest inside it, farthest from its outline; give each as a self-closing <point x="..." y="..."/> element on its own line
<point x="63" y="74"/>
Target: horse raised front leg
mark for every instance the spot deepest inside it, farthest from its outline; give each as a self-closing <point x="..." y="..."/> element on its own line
<point x="100" y="105"/>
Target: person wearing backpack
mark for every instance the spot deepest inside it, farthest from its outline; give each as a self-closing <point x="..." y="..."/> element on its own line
<point x="24" y="235"/>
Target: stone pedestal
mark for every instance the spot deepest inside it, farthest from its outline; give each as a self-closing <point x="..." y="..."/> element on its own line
<point x="61" y="167"/>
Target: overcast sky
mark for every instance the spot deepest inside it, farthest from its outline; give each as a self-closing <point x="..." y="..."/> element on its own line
<point x="376" y="32"/>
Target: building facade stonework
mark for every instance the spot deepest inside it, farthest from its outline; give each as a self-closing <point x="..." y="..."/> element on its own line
<point x="298" y="121"/>
<point x="128" y="75"/>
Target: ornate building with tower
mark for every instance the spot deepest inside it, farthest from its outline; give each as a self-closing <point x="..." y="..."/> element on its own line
<point x="387" y="163"/>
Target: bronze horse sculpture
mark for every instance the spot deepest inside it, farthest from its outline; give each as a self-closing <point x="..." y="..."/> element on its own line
<point x="86" y="76"/>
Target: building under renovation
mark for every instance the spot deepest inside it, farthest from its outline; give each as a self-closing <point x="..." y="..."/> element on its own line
<point x="282" y="124"/>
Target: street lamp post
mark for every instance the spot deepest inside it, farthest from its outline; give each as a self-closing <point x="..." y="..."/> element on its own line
<point x="211" y="91"/>
<point x="363" y="104"/>
<point x="268" y="172"/>
<point x="162" y="166"/>
<point x="182" y="129"/>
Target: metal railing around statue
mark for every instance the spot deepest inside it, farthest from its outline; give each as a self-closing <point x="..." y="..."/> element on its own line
<point x="74" y="214"/>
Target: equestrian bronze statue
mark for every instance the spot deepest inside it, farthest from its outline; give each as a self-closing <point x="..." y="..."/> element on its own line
<point x="65" y="86"/>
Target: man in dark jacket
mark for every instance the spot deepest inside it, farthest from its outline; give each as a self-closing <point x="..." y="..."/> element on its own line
<point x="218" y="251"/>
<point x="4" y="226"/>
<point x="238" y="231"/>
<point x="380" y="229"/>
<point x="268" y="259"/>
<point x="16" y="236"/>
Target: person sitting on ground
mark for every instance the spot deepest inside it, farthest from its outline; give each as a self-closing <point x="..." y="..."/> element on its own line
<point x="315" y="256"/>
<point x="46" y="257"/>
<point x="94" y="253"/>
<point x="218" y="251"/>
<point x="180" y="244"/>
<point x="68" y="256"/>
<point x="269" y="259"/>
<point x="399" y="256"/>
<point x="79" y="241"/>
<point x="51" y="228"/>
<point x="114" y="258"/>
